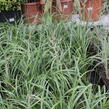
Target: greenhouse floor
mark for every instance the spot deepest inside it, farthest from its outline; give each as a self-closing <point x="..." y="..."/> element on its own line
<point x="104" y="21"/>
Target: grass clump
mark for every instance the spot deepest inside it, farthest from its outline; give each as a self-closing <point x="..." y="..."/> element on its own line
<point x="47" y="68"/>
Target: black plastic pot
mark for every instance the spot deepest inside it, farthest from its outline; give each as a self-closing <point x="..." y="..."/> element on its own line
<point x="10" y="16"/>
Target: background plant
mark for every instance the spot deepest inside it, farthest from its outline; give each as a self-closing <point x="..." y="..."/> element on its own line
<point x="9" y="5"/>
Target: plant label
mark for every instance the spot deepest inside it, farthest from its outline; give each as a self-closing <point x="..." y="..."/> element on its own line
<point x="65" y="6"/>
<point x="11" y="20"/>
<point x="90" y="8"/>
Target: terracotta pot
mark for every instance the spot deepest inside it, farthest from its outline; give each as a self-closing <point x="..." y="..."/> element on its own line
<point x="31" y="12"/>
<point x="91" y="10"/>
<point x="67" y="6"/>
<point x="67" y="9"/>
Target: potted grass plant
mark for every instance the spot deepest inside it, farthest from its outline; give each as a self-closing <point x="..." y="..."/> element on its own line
<point x="9" y="11"/>
<point x="91" y="9"/>
<point x="61" y="9"/>
<point x="31" y="10"/>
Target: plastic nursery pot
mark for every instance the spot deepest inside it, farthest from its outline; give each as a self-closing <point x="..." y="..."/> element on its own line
<point x="66" y="10"/>
<point x="10" y="16"/>
<point x="31" y="12"/>
<point x="91" y="9"/>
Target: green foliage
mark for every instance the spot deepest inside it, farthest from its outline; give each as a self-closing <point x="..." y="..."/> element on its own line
<point x="46" y="68"/>
<point x="9" y="5"/>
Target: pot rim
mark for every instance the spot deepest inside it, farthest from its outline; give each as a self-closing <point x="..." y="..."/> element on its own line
<point x="31" y="3"/>
<point x="66" y="1"/>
